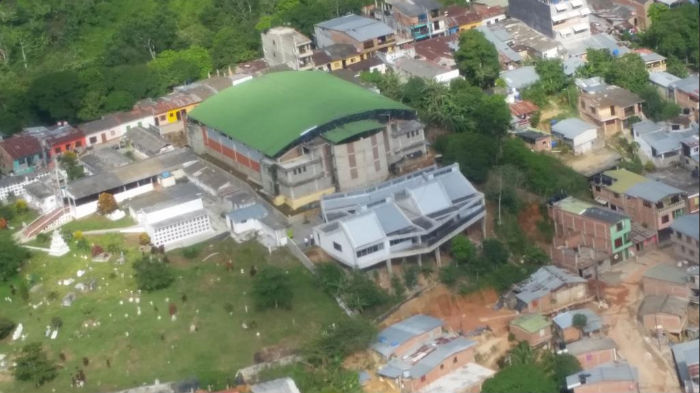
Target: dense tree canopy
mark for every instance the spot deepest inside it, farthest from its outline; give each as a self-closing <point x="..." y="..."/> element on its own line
<point x="34" y="366"/>
<point x="477" y="59"/>
<point x="13" y="256"/>
<point x="526" y="377"/>
<point x="152" y="274"/>
<point x="674" y="32"/>
<point x="271" y="289"/>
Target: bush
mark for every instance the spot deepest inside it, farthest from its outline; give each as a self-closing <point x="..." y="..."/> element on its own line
<point x="331" y="277"/>
<point x="21" y="206"/>
<point x="190" y="252"/>
<point x="43" y="238"/>
<point x="152" y="275"/>
<point x="449" y="274"/>
<point x="271" y="289"/>
<point x="336" y="343"/>
<point x="494" y="251"/>
<point x="106" y="203"/>
<point x="361" y="294"/>
<point x="33" y="365"/>
<point x="649" y="166"/>
<point x="56" y="322"/>
<point x="397" y="286"/>
<point x="144" y="239"/>
<point x="410" y="276"/>
<point x="6" y="327"/>
<point x="12" y="257"/>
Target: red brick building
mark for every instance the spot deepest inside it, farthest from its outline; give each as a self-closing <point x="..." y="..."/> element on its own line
<point x="608" y="378"/>
<point x="535" y="329"/>
<point x="666" y="279"/>
<point x="593" y="351"/>
<point x="663" y="312"/>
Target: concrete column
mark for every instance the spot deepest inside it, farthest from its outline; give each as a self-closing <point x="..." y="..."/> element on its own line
<point x="483" y="228"/>
<point x="420" y="260"/>
<point x="437" y="256"/>
<point x="388" y="266"/>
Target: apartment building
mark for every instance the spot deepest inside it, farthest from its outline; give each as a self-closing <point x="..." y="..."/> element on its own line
<point x="565" y="20"/>
<point x="685" y="238"/>
<point x="368" y="36"/>
<point x="285" y="46"/>
<point x="609" y="107"/>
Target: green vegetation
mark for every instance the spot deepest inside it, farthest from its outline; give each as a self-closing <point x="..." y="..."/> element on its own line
<point x="477" y="59"/>
<point x="97" y="222"/>
<point x="207" y="295"/>
<point x="580" y="321"/>
<point x="106" y="203"/>
<point x="519" y="378"/>
<point x="6" y="327"/>
<point x="674" y="33"/>
<point x="271" y="289"/>
<point x="152" y="274"/>
<point x="33" y="365"/>
<point x="356" y="289"/>
<point x="13" y="257"/>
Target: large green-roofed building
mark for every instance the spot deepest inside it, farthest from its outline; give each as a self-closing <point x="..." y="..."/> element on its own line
<point x="301" y="135"/>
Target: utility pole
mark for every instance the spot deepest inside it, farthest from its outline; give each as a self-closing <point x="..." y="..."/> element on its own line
<point x="500" y="191"/>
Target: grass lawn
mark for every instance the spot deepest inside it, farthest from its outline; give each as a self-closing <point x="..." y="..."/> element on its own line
<point x="159" y="348"/>
<point x="96" y="222"/>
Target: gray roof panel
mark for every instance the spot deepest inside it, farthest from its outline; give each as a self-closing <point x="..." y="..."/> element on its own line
<point x="571" y="128"/>
<point x="358" y="27"/>
<point x="687" y="225"/>
<point x="652" y="190"/>
<point x="400" y="332"/>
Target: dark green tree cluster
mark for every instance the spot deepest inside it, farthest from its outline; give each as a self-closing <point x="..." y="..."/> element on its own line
<point x="6" y="327"/>
<point x="356" y="289"/>
<point x="69" y="163"/>
<point x="271" y="289"/>
<point x="34" y="366"/>
<point x="12" y="257"/>
<point x="674" y="33"/>
<point x="152" y="274"/>
<point x="477" y="59"/>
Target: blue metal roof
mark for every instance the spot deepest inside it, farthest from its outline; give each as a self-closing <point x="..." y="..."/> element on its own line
<point x="255" y="212"/>
<point x="438" y="353"/>
<point x="685" y="354"/>
<point x="400" y="332"/>
<point x="565" y="320"/>
<point x="652" y="190"/>
<point x="603" y="373"/>
<point x="687" y="225"/>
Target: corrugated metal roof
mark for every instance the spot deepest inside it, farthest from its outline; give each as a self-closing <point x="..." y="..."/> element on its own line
<point x="571" y="128"/>
<point x="624" y="179"/>
<point x="652" y="190"/>
<point x="400" y="332"/>
<point x="396" y="367"/>
<point x="590" y="344"/>
<point x="662" y="78"/>
<point x="664" y="304"/>
<point x="687" y="225"/>
<point x="565" y="320"/>
<point x="545" y="280"/>
<point x="685" y="354"/>
<point x="666" y="272"/>
<point x="604" y="373"/>
<point x="254" y="212"/>
<point x="281" y="385"/>
<point x="602" y="214"/>
<point x="520" y="77"/>
<point x="358" y="27"/>
<point x="363" y="229"/>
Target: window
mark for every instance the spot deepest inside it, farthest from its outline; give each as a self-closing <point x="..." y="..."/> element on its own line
<point x="93" y="139"/>
<point x="620" y="225"/>
<point x="597" y="188"/>
<point x="162" y="117"/>
<point x="664" y="219"/>
<point x="646" y="204"/>
<point x="442" y="367"/>
<point x="659" y="205"/>
<point x="57" y="150"/>
<point x="369" y="250"/>
<point x="337" y="246"/>
<point x="616" y="195"/>
<point x="78" y="144"/>
<point x="612" y="110"/>
<point x="377" y="166"/>
<point x="691" y="252"/>
<point x="67" y="146"/>
<point x="618" y="242"/>
<point x="675" y="199"/>
<point x="454" y="360"/>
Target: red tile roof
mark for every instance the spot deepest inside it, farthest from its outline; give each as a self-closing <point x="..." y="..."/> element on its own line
<point x="435" y="48"/>
<point x="19" y="146"/>
<point x="523" y="107"/>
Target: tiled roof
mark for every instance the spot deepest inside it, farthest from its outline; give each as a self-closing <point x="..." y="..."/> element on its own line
<point x="18" y="146"/>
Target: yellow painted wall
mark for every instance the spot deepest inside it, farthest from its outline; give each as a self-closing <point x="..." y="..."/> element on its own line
<point x="337" y="65"/>
<point x="172" y="114"/>
<point x="301" y="201"/>
<point x="468" y="26"/>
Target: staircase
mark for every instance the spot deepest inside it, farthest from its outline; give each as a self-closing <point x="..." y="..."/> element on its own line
<point x="45" y="222"/>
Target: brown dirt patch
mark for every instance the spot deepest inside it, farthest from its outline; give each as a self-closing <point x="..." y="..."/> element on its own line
<point x="463" y="313"/>
<point x="317" y="255"/>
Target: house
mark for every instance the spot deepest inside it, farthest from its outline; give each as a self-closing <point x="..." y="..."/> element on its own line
<point x="281" y="385"/>
<point x="536" y="140"/>
<point x="147" y="142"/>
<point x="172" y="216"/>
<point x="42" y="196"/>
<point x="609" y="107"/>
<point x="14" y="185"/>
<point x="103" y="160"/>
<point x="490" y="13"/>
<point x="502" y="41"/>
<point x="467" y="379"/>
<point x="214" y="181"/>
<point x="549" y="289"/>
<point x="429" y="362"/>
<point x="663" y="81"/>
<point x="663" y="313"/>
<point x="685" y="355"/>
<point x="256" y="220"/>
<point x="463" y="18"/>
<point x="649" y="203"/>
<point x="58" y="139"/>
<point x="439" y="50"/>
<point x="593" y="351"/>
<point x="404" y="217"/>
<point x="400" y="338"/>
<point x="661" y="143"/>
<point x="564" y="20"/>
<point x="408" y="67"/>
<point x="368" y="36"/>
<point x="690" y="147"/>
<point x="685" y="237"/>
<point x="608" y="378"/>
<point x="20" y="155"/>
<point x="579" y="224"/>
<point x="686" y="95"/>
<point x="564" y="324"/>
<point x="576" y="133"/>
<point x="534" y="329"/>
<point x="641" y="12"/>
<point x="579" y="48"/>
<point x="520" y="78"/>
<point x="124" y="182"/>
<point x="415" y="20"/>
<point x="113" y="126"/>
<point x="528" y="42"/>
<point x="301" y="135"/>
<point x="653" y="61"/>
<point x="522" y="111"/>
<point x="285" y="46"/>
<point x="667" y="279"/>
<point x="336" y="57"/>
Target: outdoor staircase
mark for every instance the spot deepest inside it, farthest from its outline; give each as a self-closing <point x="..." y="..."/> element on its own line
<point x="43" y="223"/>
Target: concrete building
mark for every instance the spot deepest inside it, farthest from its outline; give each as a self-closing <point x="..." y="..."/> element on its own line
<point x="42" y="195"/>
<point x="368" y="36"/>
<point x="14" y="185"/>
<point x="103" y="160"/>
<point x="565" y="330"/>
<point x="561" y="20"/>
<point x="662" y="143"/>
<point x="520" y="78"/>
<point x="649" y="203"/>
<point x="301" y="135"/>
<point x="285" y="46"/>
<point x="123" y="182"/>
<point x="609" y="107"/>
<point x="409" y="67"/>
<point x="414" y="20"/>
<point x="686" y="356"/>
<point x="536" y="140"/>
<point x="663" y="81"/>
<point x="467" y="379"/>
<point x="579" y="224"/>
<point x="576" y="133"/>
<point x="687" y="97"/>
<point x="534" y="329"/>
<point x="336" y="57"/>
<point x="21" y="155"/>
<point x="663" y="313"/>
<point x="408" y="216"/>
<point x="400" y="338"/>
<point x="429" y="362"/>
<point x="653" y="61"/>
<point x="673" y="280"/>
<point x="548" y="290"/>
<point x="606" y="378"/>
<point x="254" y="220"/>
<point x="690" y="149"/>
<point x="685" y="238"/>
<point x="593" y="351"/>
<point x="114" y="126"/>
<point x="57" y="139"/>
<point x="146" y="142"/>
<point x="171" y="215"/>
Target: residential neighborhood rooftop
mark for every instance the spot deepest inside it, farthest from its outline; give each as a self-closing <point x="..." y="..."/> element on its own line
<point x="667" y="272"/>
<point x="545" y="280"/>
<point x="687" y="225"/>
<point x="571" y="128"/>
<point x="520" y="78"/>
<point x="429" y="355"/>
<point x="603" y="373"/>
<point x="531" y="323"/>
<point x="652" y="190"/>
<point x="686" y="355"/>
<point x="19" y="146"/>
<point x="281" y="385"/>
<point x="400" y="332"/>
<point x="165" y="197"/>
<point x="665" y="304"/>
<point x="663" y="78"/>
<point x="358" y="27"/>
<point x="565" y="320"/>
<point x="146" y="141"/>
<point x="590" y="344"/>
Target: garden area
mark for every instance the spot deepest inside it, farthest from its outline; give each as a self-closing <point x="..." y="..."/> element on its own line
<point x="203" y="312"/>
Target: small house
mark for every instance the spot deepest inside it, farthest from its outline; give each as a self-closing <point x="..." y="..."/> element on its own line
<point x="20" y="155"/>
<point x="520" y="78"/>
<point x="565" y="329"/>
<point x="666" y="279"/>
<point x="686" y="356"/>
<point x="522" y="111"/>
<point x="255" y="219"/>
<point x="608" y="378"/>
<point x="576" y="133"/>
<point x="41" y="196"/>
<point x="664" y="313"/>
<point x="593" y="351"/>
<point x="549" y="289"/>
<point x="535" y="329"/>
<point x="535" y="140"/>
<point x="399" y="338"/>
<point x="685" y="237"/>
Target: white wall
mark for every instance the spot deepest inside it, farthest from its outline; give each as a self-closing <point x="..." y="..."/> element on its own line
<point x="91" y="207"/>
<point x="447" y="76"/>
<point x="118" y="131"/>
<point x="325" y="241"/>
<point x="584" y="141"/>
<point x="170" y="212"/>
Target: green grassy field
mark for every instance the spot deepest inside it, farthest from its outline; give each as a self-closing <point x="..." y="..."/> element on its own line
<point x="96" y="222"/>
<point x="159" y="348"/>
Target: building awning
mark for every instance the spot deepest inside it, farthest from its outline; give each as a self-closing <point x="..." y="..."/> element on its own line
<point x="581" y="27"/>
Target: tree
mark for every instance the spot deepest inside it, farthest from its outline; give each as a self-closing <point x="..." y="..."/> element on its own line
<point x="177" y="67"/>
<point x="397" y="286"/>
<point x="6" y="327"/>
<point x="106" y="203"/>
<point x="579" y="321"/>
<point x="331" y="277"/>
<point x="151" y="275"/>
<point x="674" y="32"/>
<point x="271" y="289"/>
<point x="340" y="340"/>
<point x="69" y="163"/>
<point x="528" y="377"/>
<point x="655" y="107"/>
<point x="143" y="36"/>
<point x="628" y="71"/>
<point x="410" y="276"/>
<point x="477" y="59"/>
<point x="552" y="76"/>
<point x="463" y="249"/>
<point x="13" y="257"/>
<point x="33" y="365"/>
<point x="482" y="153"/>
<point x="232" y="45"/>
<point x="361" y="293"/>
<point x="144" y="239"/>
<point x="560" y="367"/>
<point x="56" y="96"/>
<point x="494" y="251"/>
<point x="522" y="354"/>
<point x="675" y="66"/>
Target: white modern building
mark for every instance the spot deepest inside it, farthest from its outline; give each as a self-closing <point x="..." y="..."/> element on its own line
<point x="408" y="216"/>
<point x="576" y="133"/>
<point x="563" y="20"/>
<point x="171" y="215"/>
<point x="254" y="220"/>
<point x="41" y="196"/>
